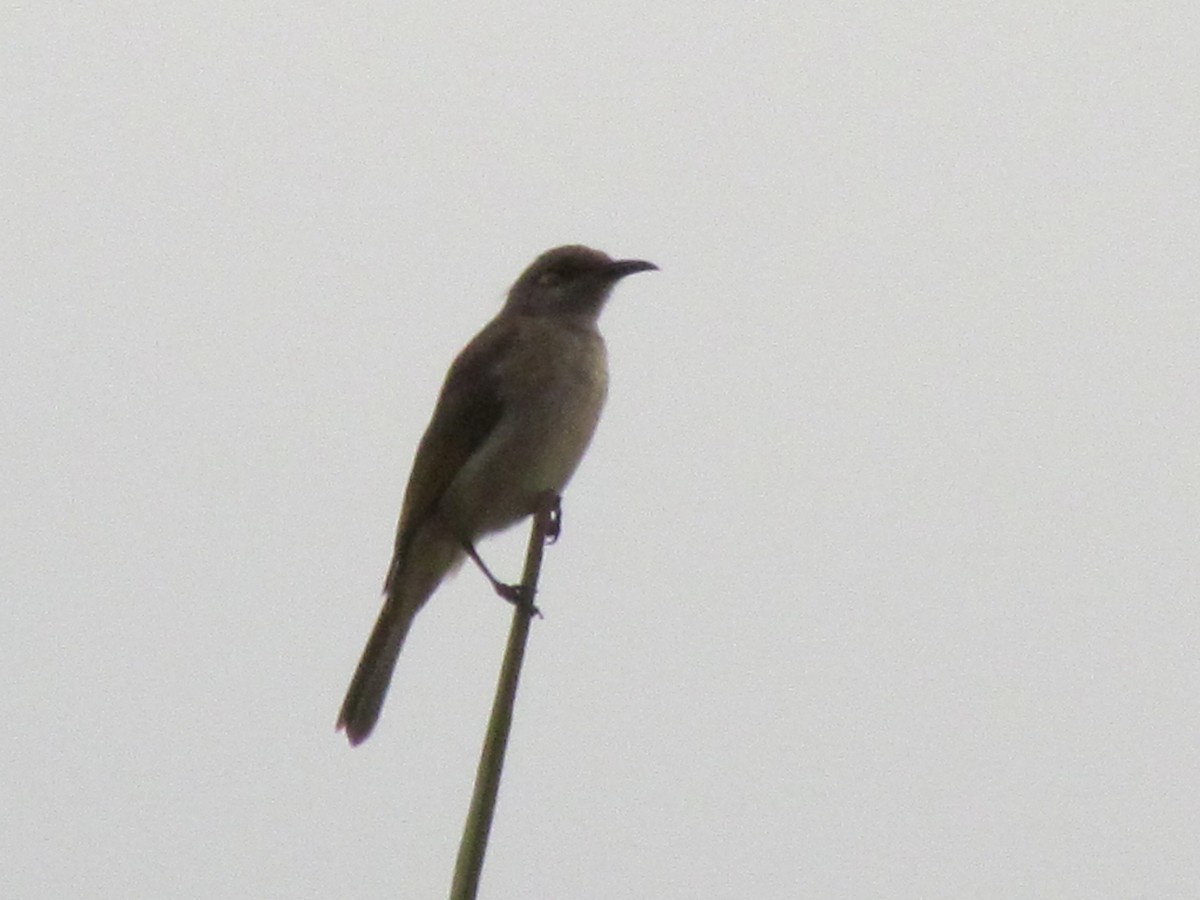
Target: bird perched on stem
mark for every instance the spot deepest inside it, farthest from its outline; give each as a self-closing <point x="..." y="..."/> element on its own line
<point x="514" y="417"/>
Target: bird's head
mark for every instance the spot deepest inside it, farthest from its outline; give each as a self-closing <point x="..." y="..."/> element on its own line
<point x="573" y="280"/>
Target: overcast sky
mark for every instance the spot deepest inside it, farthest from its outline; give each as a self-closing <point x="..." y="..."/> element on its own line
<point x="880" y="578"/>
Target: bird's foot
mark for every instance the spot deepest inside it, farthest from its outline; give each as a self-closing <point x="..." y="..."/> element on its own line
<point x="517" y="595"/>
<point x="550" y="515"/>
<point x="513" y="593"/>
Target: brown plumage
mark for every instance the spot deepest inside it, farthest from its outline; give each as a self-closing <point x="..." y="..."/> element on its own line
<point x="514" y="417"/>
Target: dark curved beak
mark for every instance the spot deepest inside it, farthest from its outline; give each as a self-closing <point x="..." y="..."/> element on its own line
<point x="619" y="268"/>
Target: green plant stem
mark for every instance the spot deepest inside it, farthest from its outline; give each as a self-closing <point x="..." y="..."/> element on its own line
<point x="469" y="865"/>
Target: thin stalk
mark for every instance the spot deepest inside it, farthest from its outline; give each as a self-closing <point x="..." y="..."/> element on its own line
<point x="469" y="865"/>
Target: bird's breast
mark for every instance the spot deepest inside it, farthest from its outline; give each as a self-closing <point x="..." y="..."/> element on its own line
<point x="555" y="386"/>
<point x="553" y="382"/>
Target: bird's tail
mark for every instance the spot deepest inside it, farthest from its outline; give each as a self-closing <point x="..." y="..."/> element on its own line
<point x="414" y="575"/>
<point x="364" y="698"/>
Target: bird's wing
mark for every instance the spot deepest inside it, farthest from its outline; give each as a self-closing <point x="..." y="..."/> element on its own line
<point x="468" y="408"/>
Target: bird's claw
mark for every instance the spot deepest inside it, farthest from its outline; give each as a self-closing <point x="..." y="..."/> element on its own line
<point x="517" y="595"/>
<point x="552" y="518"/>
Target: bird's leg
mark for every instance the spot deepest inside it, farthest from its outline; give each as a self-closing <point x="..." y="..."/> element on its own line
<point x="510" y="592"/>
<point x="550" y="507"/>
<point x="548" y="513"/>
<point x="513" y="593"/>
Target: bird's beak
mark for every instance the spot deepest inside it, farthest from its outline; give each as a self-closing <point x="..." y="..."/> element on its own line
<point x="619" y="268"/>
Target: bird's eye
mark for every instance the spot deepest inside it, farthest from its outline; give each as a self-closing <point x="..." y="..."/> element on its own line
<point x="554" y="276"/>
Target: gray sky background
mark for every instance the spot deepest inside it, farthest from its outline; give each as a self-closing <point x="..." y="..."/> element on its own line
<point x="880" y="579"/>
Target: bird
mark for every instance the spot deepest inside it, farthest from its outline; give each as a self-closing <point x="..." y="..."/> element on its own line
<point x="514" y="418"/>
